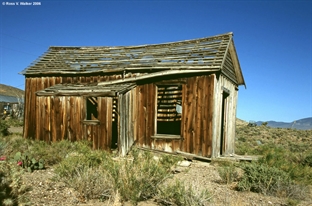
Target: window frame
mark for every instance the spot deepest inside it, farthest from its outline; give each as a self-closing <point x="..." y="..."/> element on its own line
<point x="164" y="135"/>
<point x="87" y="120"/>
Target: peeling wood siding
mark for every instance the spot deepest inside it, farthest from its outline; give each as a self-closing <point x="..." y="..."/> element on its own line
<point x="54" y="118"/>
<point x="145" y="112"/>
<point x="126" y="129"/>
<point x="34" y="84"/>
<point x="228" y="69"/>
<point x="61" y="118"/>
<point x="105" y="109"/>
<point x="197" y="115"/>
<point x="217" y="117"/>
<point x="196" y="124"/>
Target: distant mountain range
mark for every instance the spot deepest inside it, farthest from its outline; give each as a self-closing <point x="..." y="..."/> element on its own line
<point x="303" y="124"/>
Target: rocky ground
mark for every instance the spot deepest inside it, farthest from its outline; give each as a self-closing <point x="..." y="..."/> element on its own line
<point x="200" y="175"/>
<point x="44" y="191"/>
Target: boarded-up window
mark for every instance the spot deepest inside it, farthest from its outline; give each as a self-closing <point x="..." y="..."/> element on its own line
<point x="169" y="109"/>
<point x="92" y="111"/>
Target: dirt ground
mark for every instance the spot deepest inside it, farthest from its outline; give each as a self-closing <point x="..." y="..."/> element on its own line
<point x="200" y="175"/>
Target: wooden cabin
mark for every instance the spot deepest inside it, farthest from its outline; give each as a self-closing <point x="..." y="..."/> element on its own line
<point x="174" y="97"/>
<point x="11" y="106"/>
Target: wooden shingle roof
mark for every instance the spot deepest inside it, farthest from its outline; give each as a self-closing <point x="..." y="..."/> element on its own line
<point x="198" y="54"/>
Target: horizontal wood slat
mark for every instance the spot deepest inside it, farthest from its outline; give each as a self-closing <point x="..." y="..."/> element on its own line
<point x="168" y="97"/>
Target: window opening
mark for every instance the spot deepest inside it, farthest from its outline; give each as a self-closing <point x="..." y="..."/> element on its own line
<point x="169" y="109"/>
<point x="92" y="108"/>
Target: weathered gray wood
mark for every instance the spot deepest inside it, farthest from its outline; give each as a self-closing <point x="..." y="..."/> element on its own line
<point x="197" y="54"/>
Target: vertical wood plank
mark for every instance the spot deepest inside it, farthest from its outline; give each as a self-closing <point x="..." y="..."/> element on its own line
<point x="204" y="124"/>
<point x="46" y="119"/>
<point x="63" y="115"/>
<point x="53" y="118"/>
<point x="32" y="111"/>
<point x="27" y="107"/>
<point x="210" y="113"/>
<point x="198" y="116"/>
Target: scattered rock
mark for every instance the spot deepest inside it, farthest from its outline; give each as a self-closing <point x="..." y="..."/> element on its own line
<point x="184" y="163"/>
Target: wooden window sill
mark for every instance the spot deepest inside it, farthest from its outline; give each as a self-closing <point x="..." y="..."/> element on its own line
<point x="91" y="122"/>
<point x="166" y="136"/>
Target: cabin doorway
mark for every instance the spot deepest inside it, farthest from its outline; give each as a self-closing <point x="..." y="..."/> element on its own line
<point x="114" y="144"/>
<point x="223" y="133"/>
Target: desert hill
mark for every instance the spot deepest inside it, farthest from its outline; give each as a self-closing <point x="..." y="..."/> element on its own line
<point x="6" y="90"/>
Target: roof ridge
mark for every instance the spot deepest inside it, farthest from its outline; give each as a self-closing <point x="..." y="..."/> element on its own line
<point x="147" y="45"/>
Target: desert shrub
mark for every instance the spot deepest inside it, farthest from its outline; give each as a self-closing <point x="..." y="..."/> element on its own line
<point x="262" y="179"/>
<point x="4" y="128"/>
<point x="139" y="179"/>
<point x="11" y="187"/>
<point x="75" y="163"/>
<point x="15" y="122"/>
<point x="95" y="174"/>
<point x="178" y="193"/>
<point x="55" y="152"/>
<point x="85" y="171"/>
<point x="264" y="124"/>
<point x="167" y="161"/>
<point x="93" y="183"/>
<point x="307" y="160"/>
<point x="15" y="143"/>
<point x="52" y="153"/>
<point x="291" y="163"/>
<point x="229" y="174"/>
<point x="269" y="180"/>
<point x="245" y="148"/>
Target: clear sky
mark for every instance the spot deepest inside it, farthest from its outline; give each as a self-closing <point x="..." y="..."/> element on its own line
<point x="273" y="41"/>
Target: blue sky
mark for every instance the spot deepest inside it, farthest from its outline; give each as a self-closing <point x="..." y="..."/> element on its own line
<point x="273" y="40"/>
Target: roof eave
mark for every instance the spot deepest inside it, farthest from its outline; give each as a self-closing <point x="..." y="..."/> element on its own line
<point x="237" y="68"/>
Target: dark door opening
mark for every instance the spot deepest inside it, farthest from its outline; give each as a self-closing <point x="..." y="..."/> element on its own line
<point x="114" y="144"/>
<point x="223" y="122"/>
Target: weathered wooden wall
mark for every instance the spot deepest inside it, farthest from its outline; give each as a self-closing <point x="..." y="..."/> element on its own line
<point x="63" y="118"/>
<point x="197" y="115"/>
<point x="196" y="124"/>
<point x="53" y="118"/>
<point x="126" y="129"/>
<point x="223" y="85"/>
<point x="34" y="84"/>
<point x="145" y="96"/>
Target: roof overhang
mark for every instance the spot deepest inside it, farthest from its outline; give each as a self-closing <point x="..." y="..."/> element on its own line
<point x="237" y="68"/>
<point x="94" y="90"/>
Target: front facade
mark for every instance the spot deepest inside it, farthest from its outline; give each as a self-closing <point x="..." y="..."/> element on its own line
<point x="173" y="97"/>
